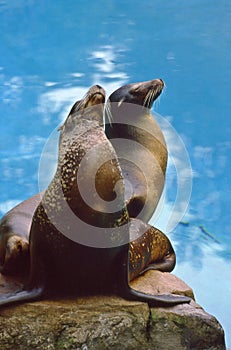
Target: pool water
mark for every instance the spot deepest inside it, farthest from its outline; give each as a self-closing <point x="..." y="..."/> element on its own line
<point x="52" y="52"/>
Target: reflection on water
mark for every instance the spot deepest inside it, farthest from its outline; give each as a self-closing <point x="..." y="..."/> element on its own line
<point x="56" y="51"/>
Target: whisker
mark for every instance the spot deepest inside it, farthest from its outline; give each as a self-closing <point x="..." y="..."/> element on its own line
<point x="152" y="97"/>
<point x="146" y="100"/>
<point x="108" y="113"/>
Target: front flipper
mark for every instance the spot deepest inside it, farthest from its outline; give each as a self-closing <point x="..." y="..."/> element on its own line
<point x="14" y="257"/>
<point x="19" y="296"/>
<point x="166" y="265"/>
<point x="150" y="249"/>
<point x="126" y="292"/>
<point x="12" y="290"/>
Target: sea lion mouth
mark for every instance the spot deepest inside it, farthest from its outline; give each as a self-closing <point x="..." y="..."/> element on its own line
<point x="96" y="98"/>
<point x="154" y="89"/>
<point x="96" y="95"/>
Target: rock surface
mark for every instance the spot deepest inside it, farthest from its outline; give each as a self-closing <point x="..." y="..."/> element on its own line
<point x="98" y="323"/>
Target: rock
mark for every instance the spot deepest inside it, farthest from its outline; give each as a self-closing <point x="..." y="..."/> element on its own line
<point x="186" y="327"/>
<point x="112" y="323"/>
<point x="156" y="282"/>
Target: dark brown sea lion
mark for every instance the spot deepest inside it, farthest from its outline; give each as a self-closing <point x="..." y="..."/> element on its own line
<point x="141" y="147"/>
<point x="78" y="247"/>
<point x="14" y="236"/>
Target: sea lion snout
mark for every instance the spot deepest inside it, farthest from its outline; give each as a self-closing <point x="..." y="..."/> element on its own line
<point x="159" y="81"/>
<point x="97" y="98"/>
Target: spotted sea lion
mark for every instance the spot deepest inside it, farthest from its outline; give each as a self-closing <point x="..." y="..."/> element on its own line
<point x="139" y="144"/>
<point x="59" y="261"/>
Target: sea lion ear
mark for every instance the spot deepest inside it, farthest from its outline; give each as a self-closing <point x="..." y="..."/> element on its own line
<point x="60" y="128"/>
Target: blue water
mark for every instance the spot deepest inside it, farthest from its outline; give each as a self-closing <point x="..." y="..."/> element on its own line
<point x="52" y="52"/>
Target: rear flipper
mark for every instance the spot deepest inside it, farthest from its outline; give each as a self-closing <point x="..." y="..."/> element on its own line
<point x="165" y="300"/>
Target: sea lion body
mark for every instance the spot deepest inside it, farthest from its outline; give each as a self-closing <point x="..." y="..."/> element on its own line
<point x="14" y="236"/>
<point x="144" y="159"/>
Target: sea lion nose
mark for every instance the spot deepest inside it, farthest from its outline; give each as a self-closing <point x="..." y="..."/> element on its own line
<point x="161" y="81"/>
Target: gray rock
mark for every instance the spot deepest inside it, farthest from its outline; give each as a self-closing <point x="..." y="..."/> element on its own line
<point x="98" y="323"/>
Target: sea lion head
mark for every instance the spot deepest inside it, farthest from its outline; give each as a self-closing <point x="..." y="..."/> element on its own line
<point x="143" y="94"/>
<point x="89" y="110"/>
<point x="123" y="100"/>
<point x="95" y="95"/>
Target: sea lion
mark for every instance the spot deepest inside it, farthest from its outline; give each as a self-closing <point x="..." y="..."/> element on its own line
<point x="15" y="225"/>
<point x="59" y="262"/>
<point x="141" y="147"/>
<point x="14" y="236"/>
